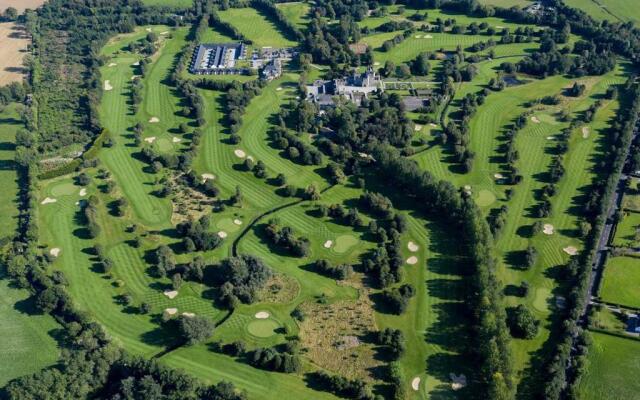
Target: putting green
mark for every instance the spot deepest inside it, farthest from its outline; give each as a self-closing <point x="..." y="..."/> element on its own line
<point x="540" y="300"/>
<point x="263" y="328"/>
<point x="485" y="198"/>
<point x="344" y="243"/>
<point x="64" y="189"/>
<point x="547" y="119"/>
<point x="227" y="225"/>
<point x="164" y="145"/>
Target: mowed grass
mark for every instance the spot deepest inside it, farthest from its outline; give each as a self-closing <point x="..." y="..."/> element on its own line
<point x="28" y="342"/>
<point x="506" y="3"/>
<point x="612" y="369"/>
<point x="621" y="281"/>
<point x="256" y="27"/>
<point x="296" y="12"/>
<point x="10" y="122"/>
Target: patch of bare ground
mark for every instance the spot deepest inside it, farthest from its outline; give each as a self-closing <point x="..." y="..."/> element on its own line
<point x="20" y="5"/>
<point x="280" y="289"/>
<point x="332" y="336"/>
<point x="13" y="47"/>
<point x="189" y="203"/>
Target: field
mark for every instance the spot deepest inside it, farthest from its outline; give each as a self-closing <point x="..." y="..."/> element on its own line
<point x="506" y="3"/>
<point x="9" y="123"/>
<point x="256" y="27"/>
<point x="13" y="46"/>
<point x="296" y="12"/>
<point x="20" y="5"/>
<point x="613" y="365"/>
<point x="620" y="281"/>
<point x="28" y="342"/>
<point x="612" y="10"/>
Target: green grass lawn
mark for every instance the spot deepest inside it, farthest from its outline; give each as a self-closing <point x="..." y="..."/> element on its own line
<point x="621" y="281"/>
<point x="296" y="12"/>
<point x="169" y="3"/>
<point x="10" y="122"/>
<point x="612" y="369"/>
<point x="612" y="10"/>
<point x="506" y="3"/>
<point x="256" y="27"/>
<point x="625" y="235"/>
<point x="28" y="342"/>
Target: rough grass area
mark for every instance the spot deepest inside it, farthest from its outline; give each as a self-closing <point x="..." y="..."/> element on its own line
<point x="296" y="12"/>
<point x="612" y="10"/>
<point x="28" y="342"/>
<point x="612" y="369"/>
<point x="621" y="281"/>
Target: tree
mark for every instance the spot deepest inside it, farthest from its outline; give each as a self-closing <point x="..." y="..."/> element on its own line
<point x="522" y="323"/>
<point x="195" y="329"/>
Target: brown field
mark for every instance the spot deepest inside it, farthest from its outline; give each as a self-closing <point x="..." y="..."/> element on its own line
<point x="13" y="45"/>
<point x="20" y="5"/>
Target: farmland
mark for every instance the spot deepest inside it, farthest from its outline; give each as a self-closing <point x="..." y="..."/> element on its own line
<point x="13" y="45"/>
<point x="612" y="10"/>
<point x="424" y="239"/>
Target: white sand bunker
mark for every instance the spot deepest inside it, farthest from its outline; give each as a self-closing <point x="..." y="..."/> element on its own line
<point x="535" y="120"/>
<point x="171" y="293"/>
<point x="415" y="383"/>
<point x="148" y="29"/>
<point x="206" y="177"/>
<point x="262" y="315"/>
<point x="239" y="153"/>
<point x="412" y="247"/>
<point x="188" y="314"/>
<point x="376" y="63"/>
<point x="113" y="64"/>
<point x="150" y="139"/>
<point x="570" y="250"/>
<point x="328" y="244"/>
<point x="48" y="200"/>
<point x="417" y="127"/>
<point x="433" y="125"/>
<point x="55" y="251"/>
<point x="548" y="229"/>
<point x="413" y="260"/>
<point x="428" y="37"/>
<point x="154" y="120"/>
<point x="107" y="86"/>
<point x="418" y="36"/>
<point x="279" y="88"/>
<point x="498" y="176"/>
<point x="171" y="311"/>
<point x="165" y="33"/>
<point x="135" y="64"/>
<point x="237" y="222"/>
<point x="585" y="132"/>
<point x="222" y="234"/>
<point x="83" y="192"/>
<point x="176" y="140"/>
<point x="550" y="137"/>
<point x="250" y="158"/>
<point x="458" y="381"/>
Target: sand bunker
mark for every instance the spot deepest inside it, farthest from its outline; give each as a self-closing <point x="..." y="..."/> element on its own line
<point x="262" y="315"/>
<point x="413" y="260"/>
<point x="165" y="33"/>
<point x="239" y="153"/>
<point x="135" y="64"/>
<point x="83" y="192"/>
<point x="328" y="244"/>
<point x="548" y="229"/>
<point x="113" y="64"/>
<point x="550" y="137"/>
<point x="222" y="234"/>
<point x="278" y="88"/>
<point x="150" y="139"/>
<point x="433" y="125"/>
<point x="237" y="222"/>
<point x="154" y="120"/>
<point x="48" y="200"/>
<point x="498" y="176"/>
<point x="376" y="63"/>
<point x="585" y="132"/>
<point x="418" y="36"/>
<point x="206" y="177"/>
<point x="188" y="314"/>
<point x="415" y="383"/>
<point x="412" y="247"/>
<point x="148" y="29"/>
<point x="176" y="140"/>
<point x="428" y="37"/>
<point x="535" y="120"/>
<point x="570" y="250"/>
<point x="107" y="86"/>
<point x="171" y="293"/>
<point x="55" y="251"/>
<point x="458" y="381"/>
<point x="171" y="311"/>
<point x="417" y="127"/>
